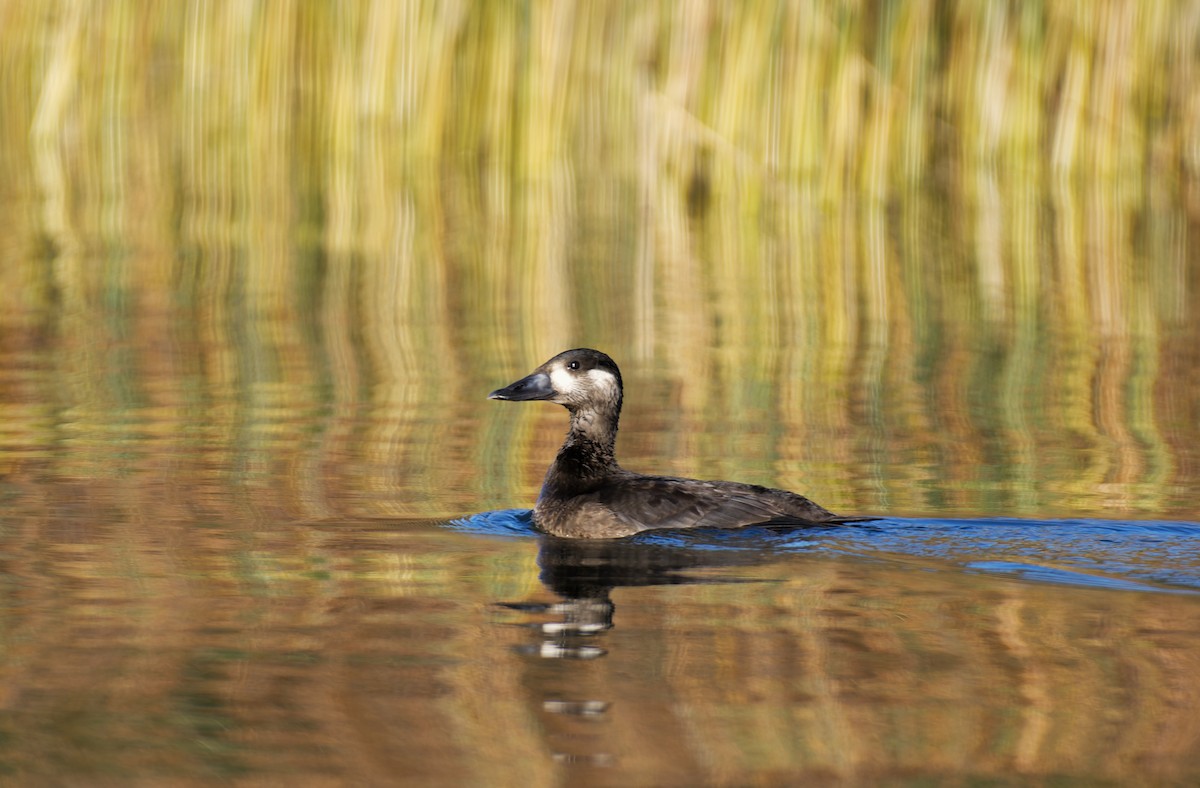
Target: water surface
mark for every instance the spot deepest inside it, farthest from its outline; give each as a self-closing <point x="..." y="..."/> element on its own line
<point x="238" y="551"/>
<point x="477" y="651"/>
<point x="260" y="265"/>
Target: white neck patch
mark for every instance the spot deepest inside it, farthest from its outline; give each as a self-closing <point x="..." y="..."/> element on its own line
<point x="603" y="380"/>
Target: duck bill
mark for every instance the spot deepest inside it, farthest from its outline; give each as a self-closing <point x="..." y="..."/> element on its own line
<point x="531" y="387"/>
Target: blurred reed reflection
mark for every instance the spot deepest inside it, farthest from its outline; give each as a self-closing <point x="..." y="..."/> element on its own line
<point x="1075" y="393"/>
<point x="906" y="259"/>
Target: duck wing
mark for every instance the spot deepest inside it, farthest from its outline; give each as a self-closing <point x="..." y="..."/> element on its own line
<point x="651" y="502"/>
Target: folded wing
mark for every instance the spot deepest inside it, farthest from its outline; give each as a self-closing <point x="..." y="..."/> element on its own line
<point x="646" y="502"/>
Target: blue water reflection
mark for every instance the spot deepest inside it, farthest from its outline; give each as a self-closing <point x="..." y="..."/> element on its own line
<point x="1112" y="554"/>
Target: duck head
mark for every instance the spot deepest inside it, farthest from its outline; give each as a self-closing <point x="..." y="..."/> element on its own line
<point x="580" y="380"/>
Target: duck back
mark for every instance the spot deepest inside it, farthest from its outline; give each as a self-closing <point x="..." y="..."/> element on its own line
<point x="627" y="503"/>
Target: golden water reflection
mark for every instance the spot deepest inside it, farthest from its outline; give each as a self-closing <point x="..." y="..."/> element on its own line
<point x="300" y="418"/>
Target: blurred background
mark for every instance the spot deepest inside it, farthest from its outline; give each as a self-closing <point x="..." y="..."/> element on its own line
<point x="907" y="257"/>
<point x="261" y="263"/>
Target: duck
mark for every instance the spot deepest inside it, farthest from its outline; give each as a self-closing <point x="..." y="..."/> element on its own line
<point x="587" y="495"/>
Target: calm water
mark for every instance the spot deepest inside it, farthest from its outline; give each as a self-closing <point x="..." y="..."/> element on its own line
<point x="260" y="265"/>
<point x="173" y="611"/>
<point x="288" y="548"/>
<point x="273" y="549"/>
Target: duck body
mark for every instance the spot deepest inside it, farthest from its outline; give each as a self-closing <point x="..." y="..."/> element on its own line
<point x="587" y="495"/>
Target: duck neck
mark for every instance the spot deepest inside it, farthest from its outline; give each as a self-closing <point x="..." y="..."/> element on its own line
<point x="588" y="451"/>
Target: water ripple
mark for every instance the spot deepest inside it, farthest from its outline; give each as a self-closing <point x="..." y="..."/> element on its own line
<point x="1112" y="554"/>
<point x="502" y="522"/>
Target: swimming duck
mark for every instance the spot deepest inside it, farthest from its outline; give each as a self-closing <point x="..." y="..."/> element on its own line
<point x="587" y="495"/>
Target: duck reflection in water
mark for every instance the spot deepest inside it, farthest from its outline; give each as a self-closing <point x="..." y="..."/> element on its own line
<point x="584" y="573"/>
<point x="587" y="495"/>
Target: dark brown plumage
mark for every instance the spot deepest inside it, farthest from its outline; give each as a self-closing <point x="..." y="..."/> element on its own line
<point x="587" y="495"/>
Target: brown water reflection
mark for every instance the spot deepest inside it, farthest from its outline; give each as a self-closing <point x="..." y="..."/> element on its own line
<point x="365" y="653"/>
<point x="844" y="670"/>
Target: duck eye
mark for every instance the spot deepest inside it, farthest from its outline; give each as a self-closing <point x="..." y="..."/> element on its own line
<point x="573" y="365"/>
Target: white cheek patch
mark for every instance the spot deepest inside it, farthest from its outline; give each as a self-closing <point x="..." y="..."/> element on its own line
<point x="564" y="382"/>
<point x="603" y="380"/>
